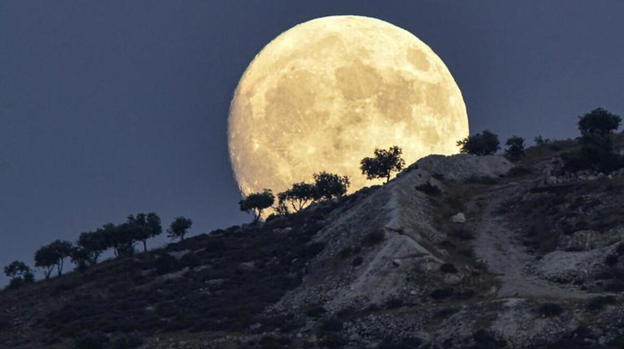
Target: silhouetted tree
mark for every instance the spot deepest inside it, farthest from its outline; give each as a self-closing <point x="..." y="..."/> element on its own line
<point x="179" y="227"/>
<point x="257" y="202"/>
<point x="145" y="226"/>
<point x="540" y="141"/>
<point x="89" y="247"/>
<point x="45" y="258"/>
<point x="120" y="238"/>
<point x="329" y="185"/>
<point x="484" y="143"/>
<point x="298" y="196"/>
<point x="53" y="255"/>
<point x="597" y="131"/>
<point x="515" y="148"/>
<point x="383" y="164"/>
<point x="19" y="273"/>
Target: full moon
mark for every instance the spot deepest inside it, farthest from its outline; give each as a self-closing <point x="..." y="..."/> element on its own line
<point x="325" y="93"/>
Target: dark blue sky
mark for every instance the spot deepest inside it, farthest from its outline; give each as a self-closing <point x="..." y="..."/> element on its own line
<point x="114" y="107"/>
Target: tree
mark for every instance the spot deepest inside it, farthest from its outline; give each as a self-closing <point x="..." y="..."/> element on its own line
<point x="19" y="273"/>
<point x="53" y="255"/>
<point x="515" y="148"/>
<point x="383" y="164"/>
<point x="329" y="185"/>
<point x="485" y="143"/>
<point x="257" y="202"/>
<point x="298" y="196"/>
<point x="120" y="238"/>
<point x="597" y="131"/>
<point x="145" y="226"/>
<point x="179" y="227"/>
<point x="598" y="122"/>
<point x="46" y="259"/>
<point x="89" y="247"/>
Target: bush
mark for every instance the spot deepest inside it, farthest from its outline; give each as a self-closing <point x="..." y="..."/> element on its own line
<point x="374" y="238"/>
<point x="611" y="260"/>
<point x="166" y="263"/>
<point x="94" y="340"/>
<point x="448" y="268"/>
<point x="515" y="148"/>
<point x="429" y="189"/>
<point x="346" y="252"/>
<point x="129" y="341"/>
<point x="394" y="302"/>
<point x="519" y="171"/>
<point x="484" y="143"/>
<point x="357" y="261"/>
<point x="332" y="324"/>
<point x="598" y="303"/>
<point x="550" y="309"/>
<point x="442" y="293"/>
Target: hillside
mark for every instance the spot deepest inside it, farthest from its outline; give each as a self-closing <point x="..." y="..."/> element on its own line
<point x="456" y="252"/>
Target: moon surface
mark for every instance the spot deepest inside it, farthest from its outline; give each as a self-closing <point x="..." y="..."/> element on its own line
<point x="324" y="94"/>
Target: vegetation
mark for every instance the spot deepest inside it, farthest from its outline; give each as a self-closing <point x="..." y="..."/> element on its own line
<point x="383" y="164"/>
<point x="429" y="189"/>
<point x="329" y="185"/>
<point x="145" y="226"/>
<point x="179" y="227"/>
<point x="19" y="273"/>
<point x="515" y="148"/>
<point x="485" y="143"/>
<point x="257" y="202"/>
<point x="299" y="196"/>
<point x="597" y="152"/>
<point x="53" y="255"/>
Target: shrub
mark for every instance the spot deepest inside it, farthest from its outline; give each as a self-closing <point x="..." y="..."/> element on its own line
<point x="332" y="324"/>
<point x="515" y="148"/>
<point x="519" y="171"/>
<point x="598" y="303"/>
<point x="394" y="302"/>
<point x="166" y="263"/>
<point x="550" y="309"/>
<point x="442" y="293"/>
<point x="429" y="189"/>
<point x="128" y="341"/>
<point x="346" y="252"/>
<point x="611" y="260"/>
<point x="357" y="261"/>
<point x="374" y="238"/>
<point x="94" y="340"/>
<point x="484" y="143"/>
<point x="448" y="268"/>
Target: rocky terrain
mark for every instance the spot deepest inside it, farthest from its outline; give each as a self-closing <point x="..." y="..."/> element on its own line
<point x="456" y="252"/>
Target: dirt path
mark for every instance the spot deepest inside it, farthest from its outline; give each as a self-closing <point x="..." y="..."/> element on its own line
<point x="497" y="246"/>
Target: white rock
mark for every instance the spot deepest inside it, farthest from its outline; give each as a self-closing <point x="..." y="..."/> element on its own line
<point x="458" y="218"/>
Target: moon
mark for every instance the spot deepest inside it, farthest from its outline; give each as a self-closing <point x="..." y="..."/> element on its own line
<point x="325" y="93"/>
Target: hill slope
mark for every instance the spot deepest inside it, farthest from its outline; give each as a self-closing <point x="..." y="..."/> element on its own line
<point x="456" y="252"/>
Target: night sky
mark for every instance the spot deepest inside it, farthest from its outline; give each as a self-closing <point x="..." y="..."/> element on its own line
<point x="114" y="107"/>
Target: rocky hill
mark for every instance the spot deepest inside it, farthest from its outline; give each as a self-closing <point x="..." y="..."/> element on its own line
<point x="456" y="252"/>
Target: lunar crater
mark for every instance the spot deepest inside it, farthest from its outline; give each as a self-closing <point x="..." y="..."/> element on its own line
<point x="326" y="93"/>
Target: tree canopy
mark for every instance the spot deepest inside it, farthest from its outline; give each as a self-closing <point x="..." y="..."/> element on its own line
<point x="299" y="195"/>
<point x="257" y="202"/>
<point x="179" y="227"/>
<point x="515" y="148"/>
<point x="329" y="185"/>
<point x="485" y="143"/>
<point x="383" y="163"/>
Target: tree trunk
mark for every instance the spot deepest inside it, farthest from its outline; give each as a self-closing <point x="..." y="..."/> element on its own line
<point x="144" y="245"/>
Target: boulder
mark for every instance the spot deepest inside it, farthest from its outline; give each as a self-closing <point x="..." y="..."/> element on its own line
<point x="458" y="218"/>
